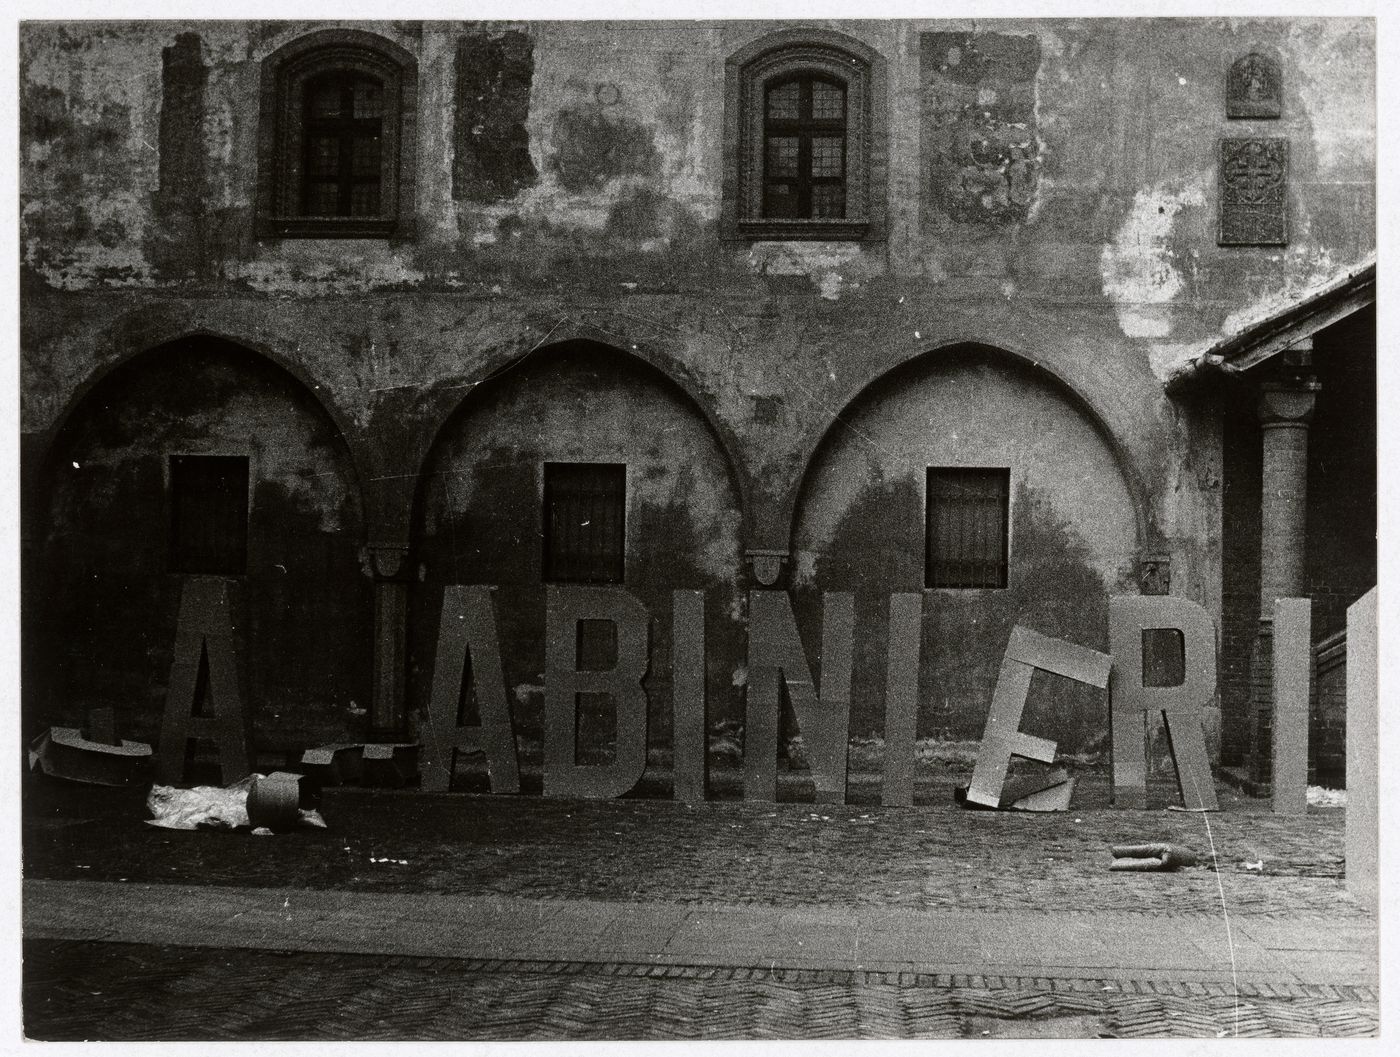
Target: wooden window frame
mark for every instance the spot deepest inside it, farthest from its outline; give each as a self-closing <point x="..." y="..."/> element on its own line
<point x="934" y="577"/>
<point x="804" y="128"/>
<point x="778" y="56"/>
<point x="281" y="134"/>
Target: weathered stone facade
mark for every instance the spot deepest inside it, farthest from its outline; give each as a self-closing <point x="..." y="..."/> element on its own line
<point x="1041" y="258"/>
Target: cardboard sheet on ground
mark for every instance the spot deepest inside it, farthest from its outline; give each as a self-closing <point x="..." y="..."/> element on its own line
<point x="63" y="752"/>
<point x="210" y="807"/>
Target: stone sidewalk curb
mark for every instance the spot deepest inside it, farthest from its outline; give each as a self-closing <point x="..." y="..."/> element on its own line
<point x="1110" y="950"/>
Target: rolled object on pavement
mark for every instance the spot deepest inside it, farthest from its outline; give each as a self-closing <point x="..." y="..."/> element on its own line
<point x="1151" y="857"/>
<point x="274" y="801"/>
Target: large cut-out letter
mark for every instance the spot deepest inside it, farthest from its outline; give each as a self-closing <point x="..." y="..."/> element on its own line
<point x="1363" y="747"/>
<point x="563" y="682"/>
<point x="204" y="644"/>
<point x="1025" y="652"/>
<point x="689" y="764"/>
<point x="1292" y="669"/>
<point x="1129" y="616"/>
<point x="468" y="648"/>
<point x="775" y="652"/>
<point x="901" y="699"/>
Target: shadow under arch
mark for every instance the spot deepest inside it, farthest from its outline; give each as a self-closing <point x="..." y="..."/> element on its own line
<point x="131" y="353"/>
<point x="652" y="364"/>
<point x="968" y="353"/>
<point x="106" y="575"/>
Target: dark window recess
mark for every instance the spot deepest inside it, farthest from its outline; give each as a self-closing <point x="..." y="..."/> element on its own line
<point x="584" y="531"/>
<point x="966" y="528"/>
<point x="342" y="129"/>
<point x="804" y="149"/>
<point x="209" y="514"/>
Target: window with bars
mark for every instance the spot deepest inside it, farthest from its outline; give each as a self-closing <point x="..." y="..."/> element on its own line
<point x="966" y="540"/>
<point x="209" y="514"/>
<point x="804" y="149"/>
<point x="342" y="130"/>
<point x="584" y="522"/>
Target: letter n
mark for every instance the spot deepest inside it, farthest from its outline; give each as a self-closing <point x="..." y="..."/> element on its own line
<point x="775" y="652"/>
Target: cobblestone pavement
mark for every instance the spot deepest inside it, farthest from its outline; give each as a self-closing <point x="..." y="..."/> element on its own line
<point x="112" y="991"/>
<point x="795" y="855"/>
<point x="786" y="854"/>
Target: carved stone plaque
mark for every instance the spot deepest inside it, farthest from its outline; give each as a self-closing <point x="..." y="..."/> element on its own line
<point x="1254" y="192"/>
<point x="1254" y="87"/>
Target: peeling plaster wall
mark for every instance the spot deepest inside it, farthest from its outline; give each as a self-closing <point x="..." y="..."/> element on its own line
<point x="595" y="208"/>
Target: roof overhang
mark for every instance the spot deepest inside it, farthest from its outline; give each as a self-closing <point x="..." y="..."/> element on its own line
<point x="1262" y="341"/>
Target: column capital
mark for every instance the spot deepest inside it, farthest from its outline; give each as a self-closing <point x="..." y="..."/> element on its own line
<point x="1287" y="403"/>
<point x="766" y="564"/>
<point x="387" y="561"/>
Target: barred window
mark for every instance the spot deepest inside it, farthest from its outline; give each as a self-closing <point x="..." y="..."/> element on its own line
<point x="804" y="135"/>
<point x="966" y="542"/>
<point x="209" y="514"/>
<point x="584" y="522"/>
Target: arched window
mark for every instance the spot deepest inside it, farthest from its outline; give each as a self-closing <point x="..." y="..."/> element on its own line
<point x="336" y="138"/>
<point x="805" y="141"/>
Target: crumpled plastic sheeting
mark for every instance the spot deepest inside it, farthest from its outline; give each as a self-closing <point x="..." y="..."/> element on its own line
<point x="209" y="807"/>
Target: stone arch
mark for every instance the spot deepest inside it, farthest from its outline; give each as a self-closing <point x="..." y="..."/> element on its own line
<point x="479" y="514"/>
<point x="1148" y="536"/>
<point x="573" y="333"/>
<point x="1074" y="531"/>
<point x="109" y="562"/>
<point x="135" y="338"/>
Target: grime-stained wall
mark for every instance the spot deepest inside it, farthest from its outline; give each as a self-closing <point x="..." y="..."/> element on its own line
<point x="1049" y="189"/>
<point x="103" y="631"/>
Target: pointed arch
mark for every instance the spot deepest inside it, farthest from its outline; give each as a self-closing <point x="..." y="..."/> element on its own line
<point x="574" y="336"/>
<point x="969" y="352"/>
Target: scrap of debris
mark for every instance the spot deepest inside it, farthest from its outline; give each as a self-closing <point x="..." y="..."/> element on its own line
<point x="1049" y="792"/>
<point x="232" y="806"/>
<point x="92" y="754"/>
<point x="1151" y="857"/>
<point x="390" y="766"/>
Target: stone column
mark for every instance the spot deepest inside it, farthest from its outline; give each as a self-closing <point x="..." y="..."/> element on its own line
<point x="1285" y="409"/>
<point x="388" y="710"/>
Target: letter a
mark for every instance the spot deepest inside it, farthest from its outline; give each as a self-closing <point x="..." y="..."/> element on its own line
<point x="467" y="641"/>
<point x="204" y="640"/>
